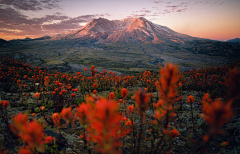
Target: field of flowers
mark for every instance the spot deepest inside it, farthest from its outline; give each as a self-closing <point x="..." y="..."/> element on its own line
<point x="46" y="111"/>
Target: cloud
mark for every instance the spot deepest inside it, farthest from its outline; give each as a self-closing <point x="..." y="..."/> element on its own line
<point x="181" y="10"/>
<point x="33" y="5"/>
<point x="146" y="11"/>
<point x="220" y="3"/>
<point x="137" y="15"/>
<point x="14" y="23"/>
<point x="157" y="2"/>
<point x="172" y="6"/>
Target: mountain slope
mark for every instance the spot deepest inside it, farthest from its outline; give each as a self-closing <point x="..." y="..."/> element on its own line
<point x="234" y="40"/>
<point x="2" y="42"/>
<point x="128" y="30"/>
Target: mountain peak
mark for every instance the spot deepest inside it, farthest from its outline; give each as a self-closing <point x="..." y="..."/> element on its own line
<point x="102" y="30"/>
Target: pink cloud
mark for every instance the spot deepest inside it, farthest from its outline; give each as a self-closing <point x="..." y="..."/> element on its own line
<point x="13" y="22"/>
<point x="33" y="5"/>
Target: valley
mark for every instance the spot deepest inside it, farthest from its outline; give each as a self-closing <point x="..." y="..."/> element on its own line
<point x="73" y="55"/>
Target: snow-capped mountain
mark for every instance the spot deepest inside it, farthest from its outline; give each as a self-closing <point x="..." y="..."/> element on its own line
<point x="141" y="30"/>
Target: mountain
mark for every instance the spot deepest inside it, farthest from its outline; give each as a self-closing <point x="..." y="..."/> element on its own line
<point x="140" y="30"/>
<point x="2" y="42"/>
<point x="234" y="40"/>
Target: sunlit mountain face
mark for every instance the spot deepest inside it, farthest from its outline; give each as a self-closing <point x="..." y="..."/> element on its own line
<point x="139" y="30"/>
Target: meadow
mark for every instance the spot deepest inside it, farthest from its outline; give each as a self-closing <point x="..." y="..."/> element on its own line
<point x="46" y="111"/>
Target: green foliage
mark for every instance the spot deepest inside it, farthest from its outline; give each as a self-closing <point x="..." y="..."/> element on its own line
<point x="79" y="101"/>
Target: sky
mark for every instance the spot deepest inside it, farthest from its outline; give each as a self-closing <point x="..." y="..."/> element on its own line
<point x="212" y="19"/>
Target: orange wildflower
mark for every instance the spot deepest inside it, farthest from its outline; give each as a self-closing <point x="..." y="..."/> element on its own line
<point x="173" y="133"/>
<point x="131" y="109"/>
<point x="128" y="123"/>
<point x="224" y="143"/>
<point x="94" y="86"/>
<point x="124" y="93"/>
<point x="111" y="95"/>
<point x="217" y="113"/>
<point x="33" y="135"/>
<point x="5" y="103"/>
<point x="190" y="99"/>
<point x="73" y="95"/>
<point x="18" y="82"/>
<point x="24" y="151"/>
<point x="37" y="95"/>
<point x="105" y="125"/>
<point x="82" y="114"/>
<point x="142" y="100"/>
<point x="160" y="113"/>
<point x="56" y="119"/>
<point x="205" y="138"/>
<point x="48" y="139"/>
<point x="66" y="114"/>
<point x="120" y="101"/>
<point x="168" y="88"/>
<point x="20" y="120"/>
<point x="46" y="80"/>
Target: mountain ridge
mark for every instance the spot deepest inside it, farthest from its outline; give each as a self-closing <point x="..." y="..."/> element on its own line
<point x="140" y="30"/>
<point x="234" y="40"/>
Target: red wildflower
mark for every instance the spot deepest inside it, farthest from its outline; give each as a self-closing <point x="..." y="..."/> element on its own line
<point x="160" y="113"/>
<point x="73" y="95"/>
<point x="56" y="119"/>
<point x="190" y="99"/>
<point x="168" y="87"/>
<point x="216" y="113"/>
<point x="224" y="143"/>
<point x="94" y="91"/>
<point x="33" y="135"/>
<point x="120" y="101"/>
<point x="82" y="114"/>
<point x="111" y="95"/>
<point x="48" y="139"/>
<point x="124" y="93"/>
<point x="37" y="95"/>
<point x="131" y="109"/>
<point x="173" y="133"/>
<point x="46" y="80"/>
<point x="66" y="114"/>
<point x="5" y="104"/>
<point x="94" y="86"/>
<point x="24" y="151"/>
<point x="105" y="125"/>
<point x="20" y="120"/>
<point x="129" y="123"/>
<point x="142" y="100"/>
<point x="18" y="82"/>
